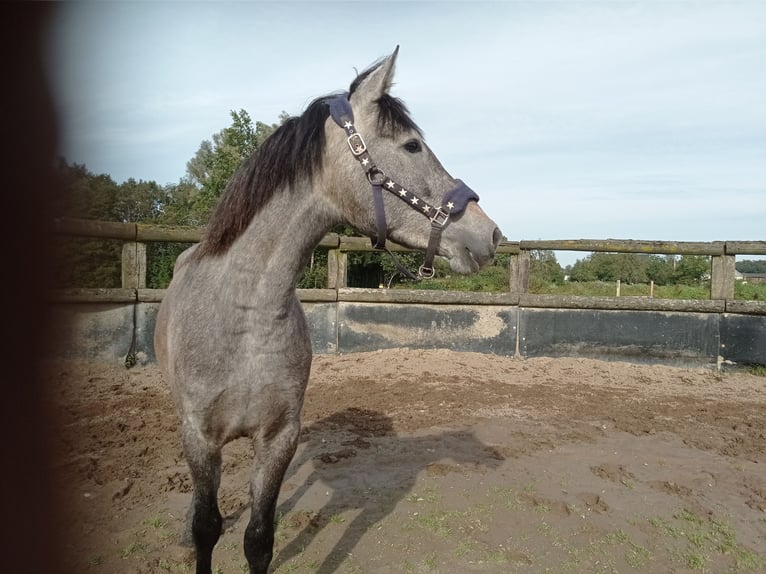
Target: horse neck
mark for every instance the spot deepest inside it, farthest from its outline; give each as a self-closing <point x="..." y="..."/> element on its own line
<point x="274" y="250"/>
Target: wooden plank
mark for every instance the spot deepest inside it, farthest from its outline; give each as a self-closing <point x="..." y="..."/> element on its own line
<point x="92" y="228"/>
<point x="317" y="295"/>
<point x="511" y="247"/>
<point x="133" y="265"/>
<point x="92" y="296"/>
<point x="746" y="247"/>
<point x="151" y="295"/>
<point x="427" y="297"/>
<point x="169" y="233"/>
<point x="746" y="307"/>
<point x="364" y="244"/>
<point x="519" y="273"/>
<point x="330" y="241"/>
<point x="337" y="268"/>
<point x="628" y="246"/>
<point x="620" y="303"/>
<point x="722" y="277"/>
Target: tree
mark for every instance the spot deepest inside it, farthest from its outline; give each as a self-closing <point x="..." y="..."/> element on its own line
<point x="627" y="267"/>
<point x="692" y="269"/>
<point x="751" y="266"/>
<point x="86" y="262"/>
<point x="544" y="269"/>
<point x="138" y="201"/>
<point x="660" y="269"/>
<point x="215" y="162"/>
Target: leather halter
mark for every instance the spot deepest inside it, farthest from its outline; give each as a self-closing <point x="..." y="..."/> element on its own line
<point x="454" y="201"/>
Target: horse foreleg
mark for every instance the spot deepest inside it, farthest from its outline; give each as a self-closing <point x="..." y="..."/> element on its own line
<point x="204" y="520"/>
<point x="272" y="457"/>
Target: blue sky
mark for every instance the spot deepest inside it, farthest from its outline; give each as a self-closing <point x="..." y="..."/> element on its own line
<point x="642" y="120"/>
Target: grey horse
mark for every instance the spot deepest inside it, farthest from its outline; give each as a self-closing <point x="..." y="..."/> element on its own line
<point x="231" y="336"/>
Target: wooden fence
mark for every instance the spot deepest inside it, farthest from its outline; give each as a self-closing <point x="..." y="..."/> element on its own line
<point x="135" y="237"/>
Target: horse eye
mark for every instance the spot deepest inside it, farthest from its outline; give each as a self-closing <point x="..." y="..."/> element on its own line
<point x="413" y="146"/>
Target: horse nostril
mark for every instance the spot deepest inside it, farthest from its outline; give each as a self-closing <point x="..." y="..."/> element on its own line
<point x="497" y="237"/>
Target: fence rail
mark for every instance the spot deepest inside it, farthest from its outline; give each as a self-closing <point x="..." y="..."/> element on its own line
<point x="135" y="236"/>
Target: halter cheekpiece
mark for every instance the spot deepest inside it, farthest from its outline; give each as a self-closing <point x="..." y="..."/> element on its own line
<point x="454" y="201"/>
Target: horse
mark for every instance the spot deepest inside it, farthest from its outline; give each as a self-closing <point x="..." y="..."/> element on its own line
<point x="231" y="337"/>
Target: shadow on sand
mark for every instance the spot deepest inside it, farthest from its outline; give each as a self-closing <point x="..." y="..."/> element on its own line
<point x="358" y="463"/>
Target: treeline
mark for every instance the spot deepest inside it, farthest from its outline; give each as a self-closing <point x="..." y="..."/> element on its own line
<point x="641" y="268"/>
<point x="96" y="263"/>
<point x="190" y="201"/>
<point x="751" y="266"/>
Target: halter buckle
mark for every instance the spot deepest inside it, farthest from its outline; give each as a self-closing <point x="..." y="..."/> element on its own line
<point x="439" y="217"/>
<point x="356" y="144"/>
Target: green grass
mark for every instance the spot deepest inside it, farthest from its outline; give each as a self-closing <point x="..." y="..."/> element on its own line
<point x="155" y="522"/>
<point x="702" y="540"/>
<point x="604" y="289"/>
<point x="495" y="279"/>
<point x="135" y="547"/>
<point x="750" y="291"/>
<point x="759" y="370"/>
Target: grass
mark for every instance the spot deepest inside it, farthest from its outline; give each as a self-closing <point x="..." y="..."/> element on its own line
<point x="758" y="370"/>
<point x="155" y="522"/>
<point x="492" y="280"/>
<point x="703" y="541"/>
<point x="135" y="547"/>
<point x="687" y="539"/>
<point x="604" y="289"/>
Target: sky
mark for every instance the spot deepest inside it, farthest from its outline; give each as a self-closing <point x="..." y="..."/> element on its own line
<point x="629" y="120"/>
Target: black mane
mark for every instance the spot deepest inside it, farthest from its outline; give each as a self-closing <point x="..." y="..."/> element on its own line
<point x="293" y="152"/>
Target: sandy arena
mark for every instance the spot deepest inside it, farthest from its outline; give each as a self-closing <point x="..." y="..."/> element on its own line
<point x="439" y="462"/>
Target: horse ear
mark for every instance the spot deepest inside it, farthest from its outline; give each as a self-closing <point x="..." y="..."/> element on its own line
<point x="379" y="81"/>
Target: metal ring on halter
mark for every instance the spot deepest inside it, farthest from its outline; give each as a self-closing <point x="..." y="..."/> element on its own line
<point x="372" y="173"/>
<point x="426" y="272"/>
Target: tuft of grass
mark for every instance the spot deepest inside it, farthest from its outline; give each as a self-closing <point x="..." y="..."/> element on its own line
<point x="703" y="539"/>
<point x="695" y="561"/>
<point x="435" y="522"/>
<point x="465" y="548"/>
<point x="155" y="522"/>
<point x="542" y="507"/>
<point x="637" y="556"/>
<point x="135" y="547"/>
<point x="618" y="537"/>
<point x="430" y="561"/>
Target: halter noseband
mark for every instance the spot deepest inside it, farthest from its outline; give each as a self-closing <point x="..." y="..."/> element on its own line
<point x="454" y="201"/>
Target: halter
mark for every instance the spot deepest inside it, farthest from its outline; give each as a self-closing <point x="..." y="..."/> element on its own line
<point x="454" y="201"/>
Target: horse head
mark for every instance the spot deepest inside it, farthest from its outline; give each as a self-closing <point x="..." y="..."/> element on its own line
<point x="377" y="148"/>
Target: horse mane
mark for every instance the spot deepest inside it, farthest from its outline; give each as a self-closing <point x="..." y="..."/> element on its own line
<point x="293" y="152"/>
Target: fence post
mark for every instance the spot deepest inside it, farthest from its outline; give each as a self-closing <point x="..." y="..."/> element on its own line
<point x="133" y="265"/>
<point x="337" y="268"/>
<point x="722" y="277"/>
<point x="519" y="272"/>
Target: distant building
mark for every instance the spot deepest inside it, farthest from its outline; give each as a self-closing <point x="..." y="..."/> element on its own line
<point x="750" y="277"/>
